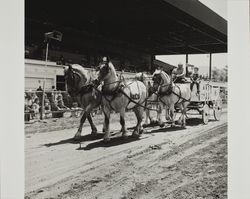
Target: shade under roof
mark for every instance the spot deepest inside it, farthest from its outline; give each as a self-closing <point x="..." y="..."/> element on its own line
<point x="155" y="27"/>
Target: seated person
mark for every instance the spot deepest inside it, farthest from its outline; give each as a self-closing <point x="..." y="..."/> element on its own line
<point x="35" y="108"/>
<point x="76" y="110"/>
<point x="195" y="80"/>
<point x="178" y="74"/>
<point x="28" y="112"/>
<point x="33" y="97"/>
<point x="60" y="103"/>
<point x="47" y="109"/>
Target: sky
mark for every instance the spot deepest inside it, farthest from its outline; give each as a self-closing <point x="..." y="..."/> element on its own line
<point x="219" y="60"/>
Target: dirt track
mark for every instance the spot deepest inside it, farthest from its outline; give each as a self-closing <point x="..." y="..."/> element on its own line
<point x="164" y="163"/>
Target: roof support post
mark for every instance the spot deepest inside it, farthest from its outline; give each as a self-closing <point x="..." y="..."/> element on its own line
<point x="151" y="66"/>
<point x="210" y="66"/>
<point x="186" y="65"/>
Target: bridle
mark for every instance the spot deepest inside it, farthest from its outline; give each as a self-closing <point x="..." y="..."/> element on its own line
<point x="169" y="90"/>
<point x="161" y="84"/>
<point x="73" y="78"/>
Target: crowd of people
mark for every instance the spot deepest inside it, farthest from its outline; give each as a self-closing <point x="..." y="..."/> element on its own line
<point x="56" y="103"/>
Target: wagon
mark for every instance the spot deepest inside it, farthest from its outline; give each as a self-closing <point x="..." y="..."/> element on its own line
<point x="207" y="102"/>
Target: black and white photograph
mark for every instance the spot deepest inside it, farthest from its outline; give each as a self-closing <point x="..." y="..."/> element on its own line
<point x="126" y="99"/>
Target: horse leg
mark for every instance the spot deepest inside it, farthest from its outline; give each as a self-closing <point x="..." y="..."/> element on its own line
<point x="172" y="114"/>
<point x="148" y="117"/>
<point x="93" y="127"/>
<point x="83" y="118"/>
<point x="167" y="114"/>
<point x="184" y="112"/>
<point x="122" y="122"/>
<point x="159" y="117"/>
<point x="139" y="115"/>
<point x="107" y="117"/>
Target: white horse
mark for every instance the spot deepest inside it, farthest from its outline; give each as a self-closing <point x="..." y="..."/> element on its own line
<point x="119" y="95"/>
<point x="171" y="94"/>
<point x="80" y="87"/>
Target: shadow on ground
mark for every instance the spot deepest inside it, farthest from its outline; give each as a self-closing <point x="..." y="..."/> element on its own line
<point x="116" y="138"/>
<point x="88" y="137"/>
<point x="113" y="142"/>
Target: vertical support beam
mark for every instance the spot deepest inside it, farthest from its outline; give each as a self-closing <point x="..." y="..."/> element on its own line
<point x="186" y="58"/>
<point x="186" y="65"/>
<point x="151" y="66"/>
<point x="210" y="66"/>
<point x="44" y="80"/>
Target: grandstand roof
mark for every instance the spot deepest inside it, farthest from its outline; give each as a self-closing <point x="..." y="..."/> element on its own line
<point x="156" y="27"/>
<point x="165" y="66"/>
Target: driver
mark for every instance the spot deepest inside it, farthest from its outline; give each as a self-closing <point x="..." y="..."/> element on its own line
<point x="178" y="74"/>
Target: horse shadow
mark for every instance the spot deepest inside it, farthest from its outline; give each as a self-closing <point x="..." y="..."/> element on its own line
<point x="165" y="129"/>
<point x="88" y="137"/>
<point x="115" y="141"/>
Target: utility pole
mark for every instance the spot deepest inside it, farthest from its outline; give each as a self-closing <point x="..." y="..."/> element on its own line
<point x="55" y="35"/>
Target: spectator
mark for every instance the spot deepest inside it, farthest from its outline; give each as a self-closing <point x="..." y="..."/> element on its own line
<point x="76" y="110"/>
<point x="47" y="109"/>
<point x="28" y="112"/>
<point x="35" y="108"/>
<point x="39" y="88"/>
<point x="33" y="97"/>
<point x="60" y="103"/>
<point x="53" y="88"/>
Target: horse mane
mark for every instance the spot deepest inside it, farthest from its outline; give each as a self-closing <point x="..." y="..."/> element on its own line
<point x="83" y="72"/>
<point x="141" y="77"/>
<point x="111" y="66"/>
<point x="163" y="74"/>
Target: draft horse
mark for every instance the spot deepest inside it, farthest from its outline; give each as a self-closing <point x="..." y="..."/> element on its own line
<point x="118" y="95"/>
<point x="80" y="87"/>
<point x="171" y="95"/>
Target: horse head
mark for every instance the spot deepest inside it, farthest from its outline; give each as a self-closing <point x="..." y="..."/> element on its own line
<point x="106" y="71"/>
<point x="161" y="80"/>
<point x="76" y="77"/>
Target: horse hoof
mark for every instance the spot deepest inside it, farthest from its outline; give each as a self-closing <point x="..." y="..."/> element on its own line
<point x="125" y="135"/>
<point x="106" y="140"/>
<point x="154" y="122"/>
<point x="77" y="138"/>
<point x="141" y="131"/>
<point x="135" y="135"/>
<point x="161" y="125"/>
<point x="94" y="133"/>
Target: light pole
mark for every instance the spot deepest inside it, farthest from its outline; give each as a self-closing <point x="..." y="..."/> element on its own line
<point x="55" y="35"/>
<point x="44" y="78"/>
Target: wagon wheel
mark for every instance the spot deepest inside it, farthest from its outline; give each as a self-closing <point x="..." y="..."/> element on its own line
<point x="217" y="109"/>
<point x="205" y="114"/>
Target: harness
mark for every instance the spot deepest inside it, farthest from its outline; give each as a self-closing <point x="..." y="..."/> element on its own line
<point x="120" y="90"/>
<point x="113" y="93"/>
<point x="170" y="91"/>
<point x="84" y="89"/>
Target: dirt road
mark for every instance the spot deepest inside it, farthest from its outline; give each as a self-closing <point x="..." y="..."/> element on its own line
<point x="164" y="163"/>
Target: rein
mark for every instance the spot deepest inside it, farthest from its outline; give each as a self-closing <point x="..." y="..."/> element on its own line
<point x="170" y="91"/>
<point x="119" y="90"/>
